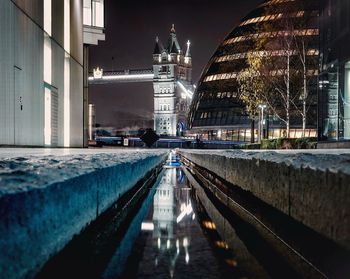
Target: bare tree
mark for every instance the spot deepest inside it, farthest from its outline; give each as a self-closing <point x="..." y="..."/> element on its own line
<point x="279" y="68"/>
<point x="307" y="54"/>
<point x="251" y="88"/>
<point x="268" y="79"/>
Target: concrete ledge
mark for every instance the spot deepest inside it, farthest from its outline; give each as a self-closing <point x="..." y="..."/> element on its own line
<point x="45" y="201"/>
<point x="314" y="189"/>
<point x="333" y="144"/>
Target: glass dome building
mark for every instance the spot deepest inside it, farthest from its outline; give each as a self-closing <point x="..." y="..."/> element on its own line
<point x="216" y="111"/>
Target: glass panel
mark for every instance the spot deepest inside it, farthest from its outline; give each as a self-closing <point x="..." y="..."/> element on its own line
<point x="67" y="25"/>
<point x="47" y="128"/>
<point x="66" y="103"/>
<point x="346" y="102"/>
<point x="47" y="60"/>
<point x="94" y="13"/>
<point x="47" y="17"/>
<point x="98" y="13"/>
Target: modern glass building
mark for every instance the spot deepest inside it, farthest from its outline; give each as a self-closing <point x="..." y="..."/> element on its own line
<point x="42" y="70"/>
<point x="334" y="80"/>
<point x="216" y="110"/>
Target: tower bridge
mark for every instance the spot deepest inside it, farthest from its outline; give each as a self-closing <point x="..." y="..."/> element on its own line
<point x="171" y="76"/>
<point x="139" y="75"/>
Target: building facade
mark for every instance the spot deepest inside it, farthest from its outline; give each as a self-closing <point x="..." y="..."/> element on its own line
<point x="334" y="79"/>
<point x="172" y="85"/>
<point x="42" y="80"/>
<point x="217" y="111"/>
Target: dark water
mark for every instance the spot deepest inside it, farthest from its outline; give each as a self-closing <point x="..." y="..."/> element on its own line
<point x="174" y="231"/>
<point x="177" y="238"/>
<point x="171" y="242"/>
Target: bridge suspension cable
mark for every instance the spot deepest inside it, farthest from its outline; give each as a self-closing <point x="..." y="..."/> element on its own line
<point x="188" y="92"/>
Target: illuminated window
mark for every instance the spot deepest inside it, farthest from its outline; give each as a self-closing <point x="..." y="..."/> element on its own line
<point x="67" y="25"/>
<point x="302" y="32"/>
<point x="94" y="13"/>
<point x="47" y="112"/>
<point x="66" y="103"/>
<point x="234" y="75"/>
<point x="47" y="67"/>
<point x="47" y="17"/>
<point x="209" y="225"/>
<point x="66" y="95"/>
<point x="273" y="2"/>
<point x="47" y="60"/>
<point x="232" y="57"/>
<point x="265" y="18"/>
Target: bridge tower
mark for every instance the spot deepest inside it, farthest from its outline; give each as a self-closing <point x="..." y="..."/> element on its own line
<point x="172" y="69"/>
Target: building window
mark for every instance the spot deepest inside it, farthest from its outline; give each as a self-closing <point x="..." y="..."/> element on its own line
<point x="47" y="124"/>
<point x="47" y="17"/>
<point x="94" y="13"/>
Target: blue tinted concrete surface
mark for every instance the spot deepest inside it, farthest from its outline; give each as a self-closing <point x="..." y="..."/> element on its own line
<point x="49" y="195"/>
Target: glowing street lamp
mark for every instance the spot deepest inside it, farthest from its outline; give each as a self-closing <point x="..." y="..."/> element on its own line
<point x="262" y="107"/>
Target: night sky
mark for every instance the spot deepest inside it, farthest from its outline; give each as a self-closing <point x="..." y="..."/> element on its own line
<point x="131" y="28"/>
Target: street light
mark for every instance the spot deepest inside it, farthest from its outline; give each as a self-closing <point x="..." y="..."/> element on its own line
<point x="262" y="107"/>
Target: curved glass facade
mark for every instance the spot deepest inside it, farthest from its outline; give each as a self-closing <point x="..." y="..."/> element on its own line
<point x="216" y="107"/>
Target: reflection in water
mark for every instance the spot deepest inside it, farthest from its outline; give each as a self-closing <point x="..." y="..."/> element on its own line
<point x="171" y="231"/>
<point x="225" y="241"/>
<point x="163" y="219"/>
<point x="171" y="206"/>
<point x="171" y="243"/>
<point x="118" y="260"/>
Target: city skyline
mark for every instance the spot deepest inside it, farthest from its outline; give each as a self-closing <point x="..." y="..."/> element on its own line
<point x="223" y="149"/>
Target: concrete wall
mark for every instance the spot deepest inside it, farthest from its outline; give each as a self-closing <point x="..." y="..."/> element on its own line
<point x="6" y="86"/>
<point x="33" y="8"/>
<point x="76" y="108"/>
<point x="22" y="71"/>
<point x="21" y="66"/>
<point x="76" y="30"/>
<point x="39" y="217"/>
<point x="312" y="189"/>
<point x="247" y="262"/>
<point x="333" y="144"/>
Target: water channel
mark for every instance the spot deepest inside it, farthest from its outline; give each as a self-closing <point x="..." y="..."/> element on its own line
<point x="175" y="231"/>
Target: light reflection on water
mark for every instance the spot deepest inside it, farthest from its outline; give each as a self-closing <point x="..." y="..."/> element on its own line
<point x="171" y="243"/>
<point x="171" y="206"/>
<point x="173" y="230"/>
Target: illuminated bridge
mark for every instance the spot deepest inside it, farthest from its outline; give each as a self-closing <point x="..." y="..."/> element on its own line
<point x="171" y="77"/>
<point x="98" y="76"/>
<point x="102" y="77"/>
<point x="166" y="87"/>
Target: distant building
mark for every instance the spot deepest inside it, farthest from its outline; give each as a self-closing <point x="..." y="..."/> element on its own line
<point x="42" y="70"/>
<point x="216" y="110"/>
<point x="172" y="69"/>
<point x="334" y="79"/>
